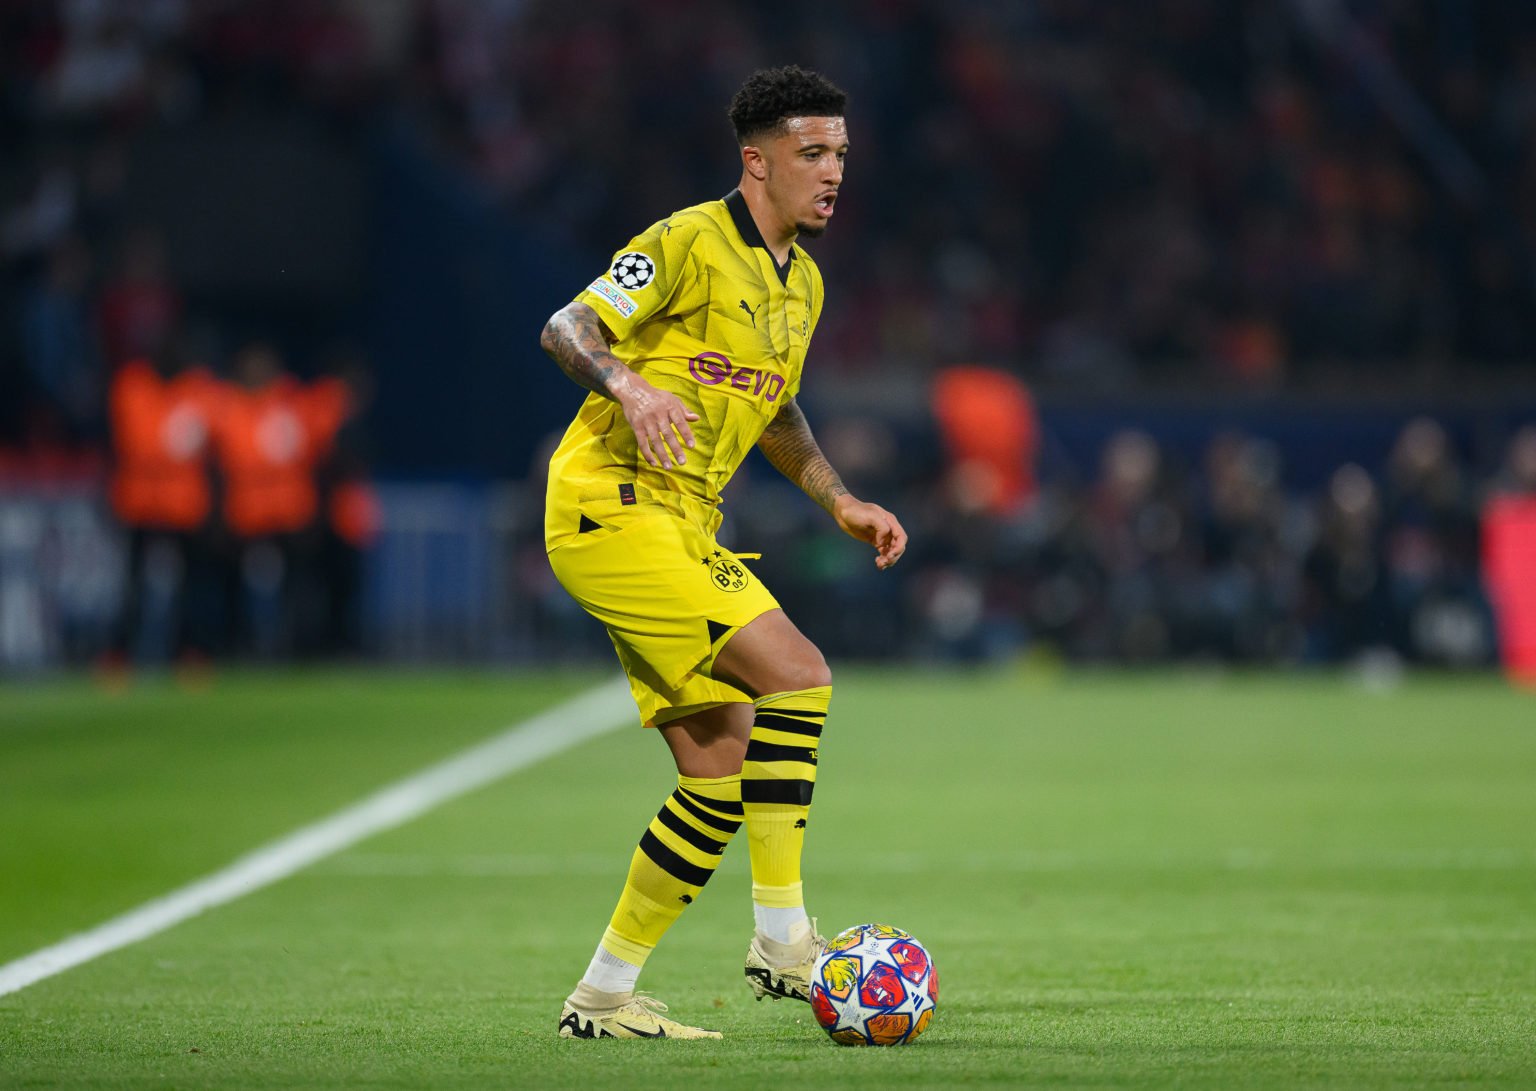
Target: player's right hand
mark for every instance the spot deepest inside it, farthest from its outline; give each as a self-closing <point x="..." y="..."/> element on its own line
<point x="660" y="421"/>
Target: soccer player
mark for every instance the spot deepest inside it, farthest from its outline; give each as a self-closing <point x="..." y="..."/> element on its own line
<point x="692" y="344"/>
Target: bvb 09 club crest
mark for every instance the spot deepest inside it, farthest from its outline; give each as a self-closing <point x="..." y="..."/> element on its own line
<point x="727" y="573"/>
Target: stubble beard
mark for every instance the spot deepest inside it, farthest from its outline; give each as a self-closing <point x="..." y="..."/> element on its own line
<point x="810" y="231"/>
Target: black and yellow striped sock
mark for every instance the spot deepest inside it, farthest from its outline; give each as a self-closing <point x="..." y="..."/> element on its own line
<point x="777" y="780"/>
<point x="675" y="858"/>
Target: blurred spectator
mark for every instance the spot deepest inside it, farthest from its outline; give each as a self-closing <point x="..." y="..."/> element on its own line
<point x="1349" y="607"/>
<point x="1517" y="474"/>
<point x="1133" y="529"/>
<point x="139" y="304"/>
<point x="1509" y="556"/>
<point x="163" y="410"/>
<point x="1247" y="581"/>
<point x="273" y="434"/>
<point x="1432" y="548"/>
<point x="990" y="432"/>
<point x="60" y="345"/>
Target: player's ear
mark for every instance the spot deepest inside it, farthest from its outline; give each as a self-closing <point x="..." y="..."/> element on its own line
<point x="752" y="159"/>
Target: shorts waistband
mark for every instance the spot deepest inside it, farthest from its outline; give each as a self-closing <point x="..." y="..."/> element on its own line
<point x="697" y="511"/>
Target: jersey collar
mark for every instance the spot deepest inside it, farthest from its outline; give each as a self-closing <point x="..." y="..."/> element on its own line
<point x="741" y="215"/>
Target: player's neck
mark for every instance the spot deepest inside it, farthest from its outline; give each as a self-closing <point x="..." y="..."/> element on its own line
<point x="777" y="235"/>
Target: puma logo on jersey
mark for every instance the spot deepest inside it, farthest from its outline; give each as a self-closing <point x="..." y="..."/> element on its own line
<point x="751" y="312"/>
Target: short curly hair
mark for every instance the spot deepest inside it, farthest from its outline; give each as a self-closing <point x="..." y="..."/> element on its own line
<point x="772" y="95"/>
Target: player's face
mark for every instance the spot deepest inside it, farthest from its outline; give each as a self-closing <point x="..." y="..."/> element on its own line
<point x="805" y="170"/>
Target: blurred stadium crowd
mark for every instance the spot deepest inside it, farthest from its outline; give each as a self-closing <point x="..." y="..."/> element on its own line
<point x="1152" y="556"/>
<point x="1239" y="200"/>
<point x="1165" y="190"/>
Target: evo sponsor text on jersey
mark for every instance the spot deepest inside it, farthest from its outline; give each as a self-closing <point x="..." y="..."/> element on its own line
<point x="712" y="369"/>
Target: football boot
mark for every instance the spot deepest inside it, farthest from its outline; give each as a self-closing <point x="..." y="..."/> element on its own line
<point x="783" y="970"/>
<point x="589" y="1013"/>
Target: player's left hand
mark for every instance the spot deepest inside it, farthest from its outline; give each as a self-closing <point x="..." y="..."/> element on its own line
<point x="873" y="524"/>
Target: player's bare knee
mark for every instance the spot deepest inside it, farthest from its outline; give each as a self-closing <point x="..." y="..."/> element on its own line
<point x="809" y="669"/>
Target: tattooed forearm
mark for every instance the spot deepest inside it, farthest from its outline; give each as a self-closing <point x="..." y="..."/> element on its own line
<point x="791" y="449"/>
<point x="577" y="341"/>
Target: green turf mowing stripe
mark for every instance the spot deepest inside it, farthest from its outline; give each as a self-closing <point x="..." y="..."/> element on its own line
<point x="519" y="746"/>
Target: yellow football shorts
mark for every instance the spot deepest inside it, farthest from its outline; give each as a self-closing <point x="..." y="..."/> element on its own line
<point x="669" y="596"/>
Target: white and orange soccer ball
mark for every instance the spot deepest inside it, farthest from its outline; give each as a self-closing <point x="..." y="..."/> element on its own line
<point x="874" y="986"/>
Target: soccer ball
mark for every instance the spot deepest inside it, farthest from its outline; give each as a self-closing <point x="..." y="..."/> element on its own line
<point x="874" y="986"/>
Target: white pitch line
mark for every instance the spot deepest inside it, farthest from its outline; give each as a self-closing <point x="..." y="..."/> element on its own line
<point x="594" y="713"/>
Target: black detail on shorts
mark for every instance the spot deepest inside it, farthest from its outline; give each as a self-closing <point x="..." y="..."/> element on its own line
<point x="626" y="493"/>
<point x="686" y="899"/>
<point x="724" y="825"/>
<point x="788" y="723"/>
<point x="673" y="864"/>
<point x="697" y="838"/>
<point x="758" y="750"/>
<point x="799" y="823"/>
<point x="796" y="792"/>
<point x="587" y="525"/>
<point x="715" y="628"/>
<point x="724" y="806"/>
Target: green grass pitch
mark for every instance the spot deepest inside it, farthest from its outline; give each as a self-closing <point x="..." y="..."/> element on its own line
<point x="1126" y="880"/>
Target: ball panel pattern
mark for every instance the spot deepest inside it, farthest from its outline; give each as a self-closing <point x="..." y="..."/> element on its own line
<point x="881" y="987"/>
<point x="874" y="985"/>
<point x="889" y="1029"/>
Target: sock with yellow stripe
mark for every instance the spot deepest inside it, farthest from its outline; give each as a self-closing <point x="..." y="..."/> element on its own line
<point x="675" y="858"/>
<point x="777" y="780"/>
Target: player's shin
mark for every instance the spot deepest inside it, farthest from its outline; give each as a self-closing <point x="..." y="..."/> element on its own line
<point x="777" y="780"/>
<point x="675" y="858"/>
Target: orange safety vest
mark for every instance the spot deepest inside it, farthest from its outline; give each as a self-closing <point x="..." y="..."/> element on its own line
<point x="271" y="441"/>
<point x="989" y="428"/>
<point x="160" y="435"/>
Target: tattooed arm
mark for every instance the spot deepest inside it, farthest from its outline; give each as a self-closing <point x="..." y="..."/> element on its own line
<point x="792" y="450"/>
<point x="577" y="340"/>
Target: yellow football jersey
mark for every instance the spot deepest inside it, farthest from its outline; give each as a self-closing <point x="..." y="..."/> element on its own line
<point x="700" y="308"/>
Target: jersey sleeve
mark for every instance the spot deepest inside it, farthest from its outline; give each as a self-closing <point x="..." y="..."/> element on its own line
<point x="643" y="279"/>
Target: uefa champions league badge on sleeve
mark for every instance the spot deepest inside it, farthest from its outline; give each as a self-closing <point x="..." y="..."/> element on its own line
<point x="633" y="270"/>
